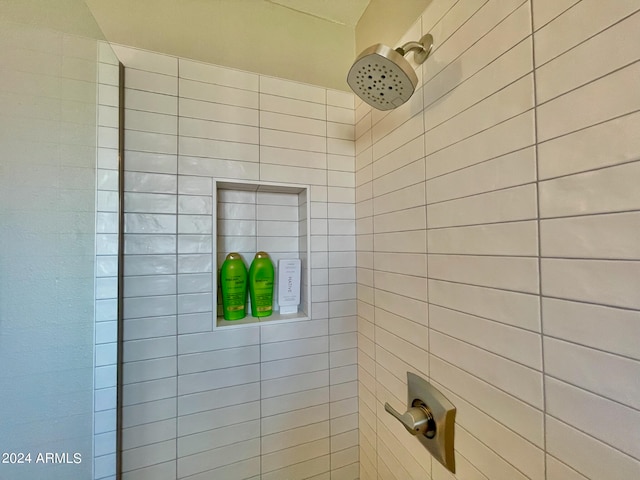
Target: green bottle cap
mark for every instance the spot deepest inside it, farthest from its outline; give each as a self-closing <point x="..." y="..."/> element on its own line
<point x="262" y="255"/>
<point x="233" y="256"/>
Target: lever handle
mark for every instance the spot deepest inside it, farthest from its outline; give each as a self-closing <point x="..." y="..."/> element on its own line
<point x="417" y="419"/>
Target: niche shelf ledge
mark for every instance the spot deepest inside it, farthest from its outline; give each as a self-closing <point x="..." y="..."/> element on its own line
<point x="262" y="216"/>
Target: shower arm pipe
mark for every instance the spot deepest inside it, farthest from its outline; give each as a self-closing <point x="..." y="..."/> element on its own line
<point x="409" y="46"/>
<point x="421" y="49"/>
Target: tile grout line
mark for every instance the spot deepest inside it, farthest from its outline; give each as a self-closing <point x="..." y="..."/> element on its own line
<point x="539" y="240"/>
<point x="255" y="214"/>
<point x="504" y="19"/>
<point x="177" y="250"/>
<point x="326" y="183"/>
<point x="373" y="287"/>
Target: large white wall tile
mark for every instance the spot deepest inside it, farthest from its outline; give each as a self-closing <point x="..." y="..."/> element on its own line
<point x="152" y="82"/>
<point x="521" y="346"/>
<point x="600" y="191"/>
<point x="546" y="10"/>
<point x="218" y="112"/>
<point x="404" y="155"/>
<point x="557" y="470"/>
<point x="577" y="24"/>
<point x="597" y="281"/>
<point x="513" y="169"/>
<point x="145" y="60"/>
<point x="292" y="106"/>
<point x="463" y="296"/>
<point x="518" y="203"/>
<point x="503" y="105"/>
<point x="472" y="87"/>
<point x="511" y="412"/>
<point x="191" y="127"/>
<point x="575" y="110"/>
<point x="513" y="308"/>
<point x="576" y="67"/>
<point x="204" y="72"/>
<point x="588" y="455"/>
<point x="511" y="135"/>
<point x="151" y="102"/>
<point x="590" y="369"/>
<point x="585" y="323"/>
<point x="509" y="273"/>
<point x="591" y="148"/>
<point x="513" y="238"/>
<point x="450" y="46"/>
<point x="611" y="236"/>
<point x="217" y="94"/>
<point x="572" y="404"/>
<point x="520" y="381"/>
<point x="510" y="447"/>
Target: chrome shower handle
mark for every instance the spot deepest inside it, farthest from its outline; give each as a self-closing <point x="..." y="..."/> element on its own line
<point x="417" y="419"/>
<point x="431" y="415"/>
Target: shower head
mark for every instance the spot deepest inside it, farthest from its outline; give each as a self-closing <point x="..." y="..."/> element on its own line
<point x="383" y="78"/>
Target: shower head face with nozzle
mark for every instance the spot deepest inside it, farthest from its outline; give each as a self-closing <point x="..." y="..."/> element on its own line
<point x="382" y="77"/>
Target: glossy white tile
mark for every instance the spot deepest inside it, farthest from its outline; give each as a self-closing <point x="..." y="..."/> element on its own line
<point x="583" y="323"/>
<point x="152" y="82"/>
<point x="574" y="68"/>
<point x="557" y="470"/>
<point x="290" y="123"/>
<point x="595" y="281"/>
<point x="518" y="345"/>
<point x="209" y="92"/>
<point x="590" y="369"/>
<point x="587" y="455"/>
<point x="193" y="127"/>
<point x="590" y="148"/>
<point x="575" y="25"/>
<point x="204" y="72"/>
<point x="509" y="273"/>
<point x="291" y="106"/>
<point x="513" y="308"/>
<point x="503" y="105"/>
<point x="600" y="191"/>
<point x="509" y="136"/>
<point x="509" y="411"/>
<point x="522" y="382"/>
<point x="510" y="170"/>
<point x="513" y="238"/>
<point x="151" y="102"/>
<point x="571" y="404"/>
<point x="597" y="236"/>
<point x="512" y="204"/>
<point x="145" y="60"/>
<point x="218" y="112"/>
<point x="546" y="10"/>
<point x="573" y="111"/>
<point x="150" y="182"/>
<point x="200" y="147"/>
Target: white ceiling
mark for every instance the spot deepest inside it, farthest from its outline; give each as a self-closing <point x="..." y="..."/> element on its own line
<point x="343" y="12"/>
<point x="310" y="41"/>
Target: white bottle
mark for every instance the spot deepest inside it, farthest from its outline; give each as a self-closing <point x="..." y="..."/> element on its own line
<point x="289" y="285"/>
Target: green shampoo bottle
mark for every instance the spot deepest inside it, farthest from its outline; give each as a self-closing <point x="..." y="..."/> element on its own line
<point x="233" y="283"/>
<point x="261" y="275"/>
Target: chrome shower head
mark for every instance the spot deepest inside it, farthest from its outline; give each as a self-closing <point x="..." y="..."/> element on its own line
<point x="383" y="78"/>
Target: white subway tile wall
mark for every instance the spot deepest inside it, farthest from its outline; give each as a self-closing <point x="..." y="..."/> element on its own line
<point x="496" y="233"/>
<point x="107" y="228"/>
<point x="57" y="277"/>
<point x="492" y="238"/>
<point x="275" y="400"/>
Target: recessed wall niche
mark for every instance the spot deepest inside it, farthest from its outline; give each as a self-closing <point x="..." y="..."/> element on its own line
<point x="261" y="216"/>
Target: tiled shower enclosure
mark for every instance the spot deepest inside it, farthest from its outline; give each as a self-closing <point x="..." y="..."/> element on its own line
<point x="219" y="160"/>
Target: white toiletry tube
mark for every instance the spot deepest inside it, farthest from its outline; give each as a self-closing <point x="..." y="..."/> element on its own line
<point x="289" y="285"/>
